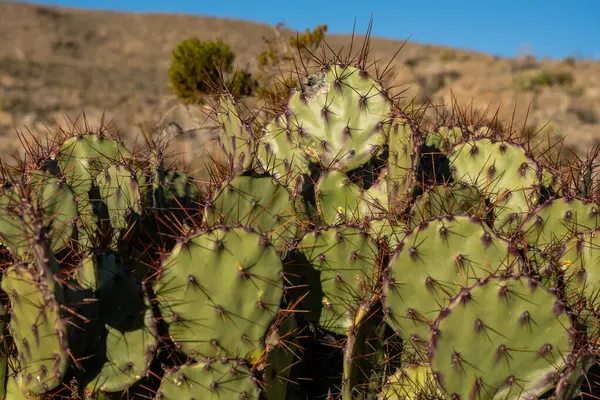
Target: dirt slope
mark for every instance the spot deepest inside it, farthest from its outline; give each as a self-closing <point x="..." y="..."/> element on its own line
<point x="56" y="61"/>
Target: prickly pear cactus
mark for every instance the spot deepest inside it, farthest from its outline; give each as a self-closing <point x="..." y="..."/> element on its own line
<point x="449" y="199"/>
<point x="83" y="157"/>
<point x="281" y="154"/>
<point x="231" y="317"/>
<point x="119" y="191"/>
<point x="4" y="371"/>
<point x="345" y="248"/>
<point x="236" y="137"/>
<point x="53" y="197"/>
<point x="339" y="200"/>
<point x="402" y="163"/>
<point x="39" y="330"/>
<point x="131" y="334"/>
<point x="280" y="355"/>
<point x="340" y="116"/>
<point x="260" y="203"/>
<point x="504" y="171"/>
<point x="518" y="350"/>
<point x="432" y="264"/>
<point x="212" y="379"/>
<point x="443" y="138"/>
<point x="413" y="382"/>
<point x="336" y="267"/>
<point x="557" y="220"/>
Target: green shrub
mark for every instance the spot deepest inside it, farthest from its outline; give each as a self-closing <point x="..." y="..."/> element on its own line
<point x="196" y="66"/>
<point x="412" y="62"/>
<point x="242" y="83"/>
<point x="447" y="55"/>
<point x="533" y="81"/>
<point x="309" y="40"/>
<point x="451" y="55"/>
<point x="563" y="78"/>
<point x="570" y="61"/>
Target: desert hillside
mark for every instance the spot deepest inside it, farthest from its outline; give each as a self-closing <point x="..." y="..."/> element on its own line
<point x="56" y="63"/>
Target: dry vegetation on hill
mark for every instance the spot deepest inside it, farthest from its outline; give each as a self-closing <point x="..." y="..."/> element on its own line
<point x="56" y="63"/>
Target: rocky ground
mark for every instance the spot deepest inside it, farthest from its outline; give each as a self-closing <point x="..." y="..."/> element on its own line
<point x="56" y="64"/>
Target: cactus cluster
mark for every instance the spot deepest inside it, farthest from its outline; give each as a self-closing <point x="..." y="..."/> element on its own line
<point x="330" y="257"/>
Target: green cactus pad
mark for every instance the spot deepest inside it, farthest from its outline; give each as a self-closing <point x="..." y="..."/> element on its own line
<point x="402" y="163"/>
<point x="504" y="172"/>
<point x="14" y="386"/>
<point x="218" y="379"/>
<point x="339" y="200"/>
<point x="4" y="370"/>
<point x="219" y="290"/>
<point x="413" y="382"/>
<point x="455" y="199"/>
<point x="359" y="354"/>
<point x="444" y="137"/>
<point x="39" y="333"/>
<point x="282" y="155"/>
<point x="551" y="180"/>
<point x="179" y="197"/>
<point x="120" y="193"/>
<point x="375" y="199"/>
<point x="131" y="336"/>
<point x="432" y="264"/>
<point x="501" y="339"/>
<point x="129" y="354"/>
<point x="235" y="137"/>
<point x="557" y="220"/>
<point x="339" y="266"/>
<point x="258" y="203"/>
<point x="575" y="379"/>
<point x="579" y="263"/>
<point x="57" y="204"/>
<point x="83" y="157"/>
<point x="390" y="230"/>
<point x="281" y="353"/>
<point x="179" y="186"/>
<point x="340" y="117"/>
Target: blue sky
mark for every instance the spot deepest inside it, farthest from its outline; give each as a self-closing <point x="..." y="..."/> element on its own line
<point x="552" y="28"/>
